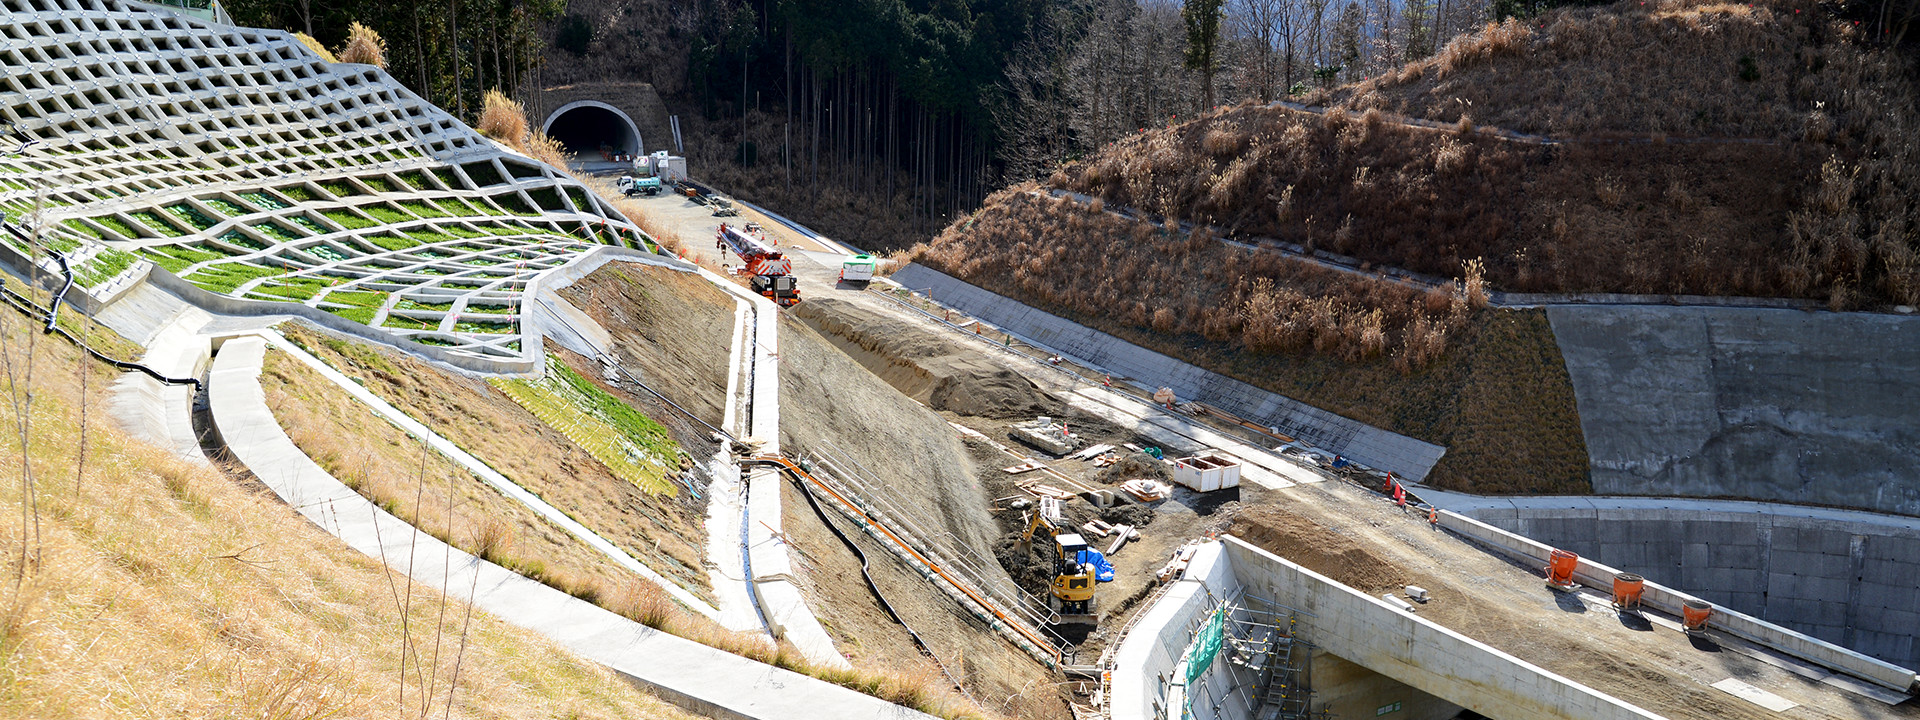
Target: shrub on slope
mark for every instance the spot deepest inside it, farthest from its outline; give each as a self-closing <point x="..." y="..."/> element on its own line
<point x="1677" y="175"/>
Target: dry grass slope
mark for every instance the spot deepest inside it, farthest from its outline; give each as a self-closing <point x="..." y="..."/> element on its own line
<point x="664" y="531"/>
<point x="424" y="488"/>
<point x="153" y="587"/>
<point x="1817" y="199"/>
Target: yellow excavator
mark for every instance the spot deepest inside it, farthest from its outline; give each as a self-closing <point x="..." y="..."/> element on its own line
<point x="1077" y="569"/>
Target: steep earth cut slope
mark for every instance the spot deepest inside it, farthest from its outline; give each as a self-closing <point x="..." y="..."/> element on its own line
<point x="830" y="403"/>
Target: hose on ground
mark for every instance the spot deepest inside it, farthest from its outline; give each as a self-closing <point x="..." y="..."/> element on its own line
<point x="875" y="587"/>
<point x="33" y="310"/>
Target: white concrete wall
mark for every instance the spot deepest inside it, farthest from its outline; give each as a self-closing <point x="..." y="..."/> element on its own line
<point x="1418" y="652"/>
<point x="1439" y="668"/>
<point x="1154" y="645"/>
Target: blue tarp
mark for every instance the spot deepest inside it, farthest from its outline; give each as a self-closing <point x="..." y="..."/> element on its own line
<point x="1102" y="568"/>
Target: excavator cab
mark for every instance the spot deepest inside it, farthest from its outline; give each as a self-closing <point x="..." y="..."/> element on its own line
<point x="1077" y="569"/>
<point x="1073" y="581"/>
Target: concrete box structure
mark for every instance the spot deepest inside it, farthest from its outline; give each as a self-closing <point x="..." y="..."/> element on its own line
<point x="1206" y="472"/>
<point x="1386" y="655"/>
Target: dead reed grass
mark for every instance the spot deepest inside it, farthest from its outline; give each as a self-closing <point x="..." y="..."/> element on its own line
<point x="157" y="587"/>
<point x="920" y="686"/>
<point x="1154" y="277"/>
<point x="503" y="119"/>
<point x="364" y="46"/>
<point x="316" y="47"/>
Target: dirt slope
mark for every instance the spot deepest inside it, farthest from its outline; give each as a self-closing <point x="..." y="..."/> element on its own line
<point x="828" y="400"/>
<point x="932" y="371"/>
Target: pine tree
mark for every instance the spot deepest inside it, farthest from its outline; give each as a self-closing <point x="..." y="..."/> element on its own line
<point x="1203" y="39"/>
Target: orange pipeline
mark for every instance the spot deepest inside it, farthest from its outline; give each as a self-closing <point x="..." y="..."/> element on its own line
<point x="1017" y="626"/>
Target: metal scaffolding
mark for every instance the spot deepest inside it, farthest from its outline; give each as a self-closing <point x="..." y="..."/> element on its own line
<point x="1263" y="670"/>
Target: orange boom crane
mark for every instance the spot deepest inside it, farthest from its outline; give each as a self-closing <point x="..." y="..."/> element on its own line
<point x="772" y="272"/>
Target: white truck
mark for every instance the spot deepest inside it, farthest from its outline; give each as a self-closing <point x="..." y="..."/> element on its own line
<point x="858" y="268"/>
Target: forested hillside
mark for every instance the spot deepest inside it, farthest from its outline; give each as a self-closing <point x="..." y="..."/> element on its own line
<point x="883" y="120"/>
<point x="1676" y="147"/>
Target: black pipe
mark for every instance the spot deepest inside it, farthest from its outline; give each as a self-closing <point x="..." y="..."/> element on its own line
<point x="871" y="585"/>
<point x="25" y="305"/>
<point x="53" y="306"/>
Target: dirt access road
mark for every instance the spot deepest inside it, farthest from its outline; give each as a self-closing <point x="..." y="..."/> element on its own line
<point x="1336" y="528"/>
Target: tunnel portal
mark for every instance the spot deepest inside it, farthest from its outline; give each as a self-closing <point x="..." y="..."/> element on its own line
<point x="585" y="127"/>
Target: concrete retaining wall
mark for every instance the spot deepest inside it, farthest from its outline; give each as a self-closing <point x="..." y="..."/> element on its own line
<point x="1432" y="670"/>
<point x="1668" y="600"/>
<point x="1848" y="578"/>
<point x="1414" y="650"/>
<point x="1364" y="443"/>
<point x="1778" y="405"/>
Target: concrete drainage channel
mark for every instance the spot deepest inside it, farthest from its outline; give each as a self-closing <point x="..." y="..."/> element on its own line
<point x="182" y="341"/>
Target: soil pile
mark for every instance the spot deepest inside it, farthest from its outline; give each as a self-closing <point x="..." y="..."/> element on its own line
<point x="926" y="366"/>
<point x="1316" y="548"/>
<point x="1131" y="466"/>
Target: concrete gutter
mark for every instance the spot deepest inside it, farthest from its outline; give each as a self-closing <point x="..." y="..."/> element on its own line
<point x="691" y="675"/>
<point x="765" y="557"/>
<point x="1668" y="600"/>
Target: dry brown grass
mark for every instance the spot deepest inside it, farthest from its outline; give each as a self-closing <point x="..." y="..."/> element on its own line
<point x="1150" y="277"/>
<point x="1780" y="71"/>
<point x="503" y="119"/>
<point x="164" y="589"/>
<point x="665" y="531"/>
<point x="423" y="487"/>
<point x="916" y="685"/>
<point x="364" y="46"/>
<point x="316" y="47"/>
<point x="1751" y="219"/>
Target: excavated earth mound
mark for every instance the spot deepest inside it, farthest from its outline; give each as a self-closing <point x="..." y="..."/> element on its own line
<point x="925" y="366"/>
<point x="1315" y="547"/>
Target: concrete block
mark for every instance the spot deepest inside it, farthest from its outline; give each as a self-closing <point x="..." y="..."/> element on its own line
<point x="1894" y="597"/>
<point x="1904" y="550"/>
<point x="1734" y="555"/>
<point x="1694" y="555"/>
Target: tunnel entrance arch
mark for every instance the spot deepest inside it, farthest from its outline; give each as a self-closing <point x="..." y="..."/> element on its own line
<point x="583" y="126"/>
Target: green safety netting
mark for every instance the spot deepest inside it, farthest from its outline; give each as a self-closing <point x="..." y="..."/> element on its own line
<point x="1200" y="655"/>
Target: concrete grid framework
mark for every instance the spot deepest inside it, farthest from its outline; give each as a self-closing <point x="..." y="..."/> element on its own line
<point x="139" y="140"/>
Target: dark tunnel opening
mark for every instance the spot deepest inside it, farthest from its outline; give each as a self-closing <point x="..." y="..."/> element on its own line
<point x="584" y="130"/>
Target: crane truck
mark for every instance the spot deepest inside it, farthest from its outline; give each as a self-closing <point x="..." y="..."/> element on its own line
<point x="1077" y="569"/>
<point x="771" y="271"/>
